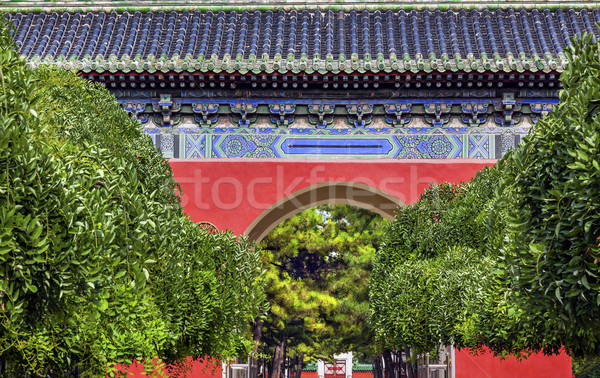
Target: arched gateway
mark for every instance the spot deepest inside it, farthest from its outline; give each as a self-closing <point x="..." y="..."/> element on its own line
<point x="265" y="109"/>
<point x="328" y="192"/>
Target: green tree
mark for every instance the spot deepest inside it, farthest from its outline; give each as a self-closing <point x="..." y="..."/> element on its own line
<point x="98" y="263"/>
<point x="318" y="264"/>
<point x="433" y="272"/>
<point x="530" y="226"/>
<point x="548" y="294"/>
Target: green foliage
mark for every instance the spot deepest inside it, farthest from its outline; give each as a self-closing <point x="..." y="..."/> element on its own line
<point x="431" y="301"/>
<point x="318" y="264"/>
<point x="586" y="367"/>
<point x="431" y="276"/>
<point x="530" y="227"/>
<point x="98" y="263"/>
<point x="550" y="261"/>
<point x="445" y="215"/>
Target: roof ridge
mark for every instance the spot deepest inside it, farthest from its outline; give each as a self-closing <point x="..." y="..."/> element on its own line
<point x="122" y="5"/>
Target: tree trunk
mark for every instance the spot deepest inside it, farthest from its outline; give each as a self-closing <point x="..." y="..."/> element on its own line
<point x="389" y="365"/>
<point x="398" y="365"/>
<point x="374" y="362"/>
<point x="258" y="326"/>
<point x="409" y="366"/>
<point x="285" y="360"/>
<point x="377" y="368"/>
<point x="293" y="366"/>
<point x="277" y="360"/>
<point x="299" y="366"/>
<point x="291" y="371"/>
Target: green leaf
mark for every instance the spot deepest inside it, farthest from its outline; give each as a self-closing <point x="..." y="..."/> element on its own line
<point x="582" y="155"/>
<point x="120" y="274"/>
<point x="103" y="305"/>
<point x="537" y="247"/>
<point x="588" y="226"/>
<point x="584" y="282"/>
<point x="557" y="294"/>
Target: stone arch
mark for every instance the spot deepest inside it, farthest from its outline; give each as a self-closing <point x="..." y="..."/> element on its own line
<point x="328" y="192"/>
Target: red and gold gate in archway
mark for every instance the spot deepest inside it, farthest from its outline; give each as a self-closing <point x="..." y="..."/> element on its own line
<point x="335" y="369"/>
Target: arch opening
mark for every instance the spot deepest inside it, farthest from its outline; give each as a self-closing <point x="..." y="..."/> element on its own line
<point x="329" y="192"/>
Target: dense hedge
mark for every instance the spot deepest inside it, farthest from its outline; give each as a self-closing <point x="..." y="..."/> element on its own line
<point x="529" y="233"/>
<point x="431" y="276"/>
<point x="550" y="259"/>
<point x="98" y="262"/>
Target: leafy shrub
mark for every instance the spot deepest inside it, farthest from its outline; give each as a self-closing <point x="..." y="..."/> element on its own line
<point x="549" y="284"/>
<point x="431" y="276"/>
<point x="586" y="367"/>
<point x="534" y="217"/>
<point x="99" y="264"/>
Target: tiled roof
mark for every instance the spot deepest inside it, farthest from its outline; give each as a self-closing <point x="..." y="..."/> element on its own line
<point x="362" y="368"/>
<point x="296" y="41"/>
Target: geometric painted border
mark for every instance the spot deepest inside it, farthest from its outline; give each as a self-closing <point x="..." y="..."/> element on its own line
<point x="313" y="143"/>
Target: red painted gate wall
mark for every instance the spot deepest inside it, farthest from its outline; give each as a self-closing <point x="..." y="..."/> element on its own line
<point x="231" y="193"/>
<point x="537" y="365"/>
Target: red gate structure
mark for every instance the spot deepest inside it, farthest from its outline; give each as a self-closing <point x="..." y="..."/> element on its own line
<point x="335" y="369"/>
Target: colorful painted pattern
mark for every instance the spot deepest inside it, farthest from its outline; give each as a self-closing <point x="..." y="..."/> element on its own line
<point x="399" y="143"/>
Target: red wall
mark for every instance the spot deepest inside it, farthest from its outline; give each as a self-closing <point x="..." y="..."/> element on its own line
<point x="485" y="365"/>
<point x="193" y="368"/>
<point x="467" y="366"/>
<point x="231" y="193"/>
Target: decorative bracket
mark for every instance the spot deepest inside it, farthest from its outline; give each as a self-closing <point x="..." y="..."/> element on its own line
<point x="166" y="107"/>
<point x="437" y="113"/>
<point x="360" y="115"/>
<point x="207" y="114"/>
<point x="510" y="110"/>
<point x="397" y="115"/>
<point x="320" y="115"/>
<point x="540" y="110"/>
<point x="474" y="114"/>
<point x="243" y="113"/>
<point x="283" y="114"/>
<point x="136" y="110"/>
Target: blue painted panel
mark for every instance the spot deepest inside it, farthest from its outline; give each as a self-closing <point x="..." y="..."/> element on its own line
<point x="317" y="146"/>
